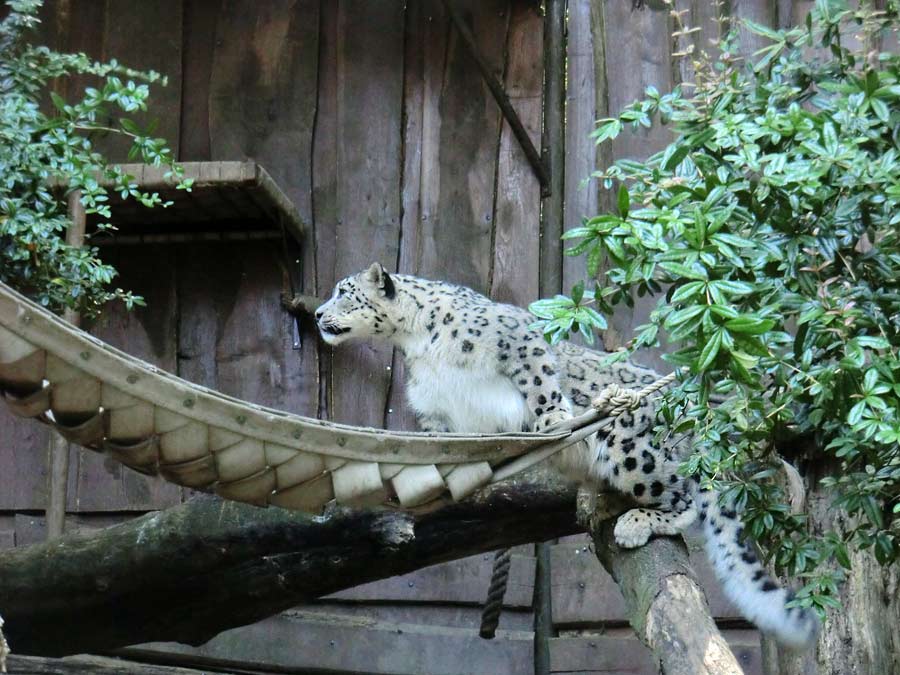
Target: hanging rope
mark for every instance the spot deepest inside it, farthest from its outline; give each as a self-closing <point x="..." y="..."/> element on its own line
<point x="490" y="617"/>
<point x="612" y="402"/>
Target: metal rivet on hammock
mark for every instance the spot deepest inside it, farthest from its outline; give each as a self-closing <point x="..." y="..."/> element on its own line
<point x="188" y="403"/>
<point x="26" y="318"/>
<point x="131" y="379"/>
<point x="341" y="442"/>
<point x="298" y="433"/>
<point x="85" y="355"/>
<point x="241" y="419"/>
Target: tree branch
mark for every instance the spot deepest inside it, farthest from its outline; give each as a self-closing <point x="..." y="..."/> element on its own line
<point x="192" y="571"/>
<point x="666" y="606"/>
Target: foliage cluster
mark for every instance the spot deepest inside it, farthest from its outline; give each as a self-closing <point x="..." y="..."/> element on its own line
<point x="46" y="152"/>
<point x="769" y="231"/>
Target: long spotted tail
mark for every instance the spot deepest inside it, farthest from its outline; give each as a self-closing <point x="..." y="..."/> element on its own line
<point x="745" y="581"/>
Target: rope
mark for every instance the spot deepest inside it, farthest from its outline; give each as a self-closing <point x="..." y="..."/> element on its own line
<point x="614" y="400"/>
<point x="490" y="617"/>
<point x="4" y="648"/>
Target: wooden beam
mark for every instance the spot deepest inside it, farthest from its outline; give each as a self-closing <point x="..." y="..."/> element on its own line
<point x="534" y="158"/>
<point x="59" y="446"/>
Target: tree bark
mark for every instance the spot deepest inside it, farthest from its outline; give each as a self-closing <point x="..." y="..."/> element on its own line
<point x="861" y="638"/>
<point x="192" y="571"/>
<point x="666" y="606"/>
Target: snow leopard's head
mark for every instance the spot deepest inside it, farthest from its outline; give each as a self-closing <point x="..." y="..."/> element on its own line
<point x="360" y="307"/>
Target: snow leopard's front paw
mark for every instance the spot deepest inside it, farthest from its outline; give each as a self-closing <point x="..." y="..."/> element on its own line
<point x="633" y="529"/>
<point x="547" y="420"/>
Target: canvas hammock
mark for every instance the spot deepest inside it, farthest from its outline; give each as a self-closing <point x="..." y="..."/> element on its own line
<point x="154" y="422"/>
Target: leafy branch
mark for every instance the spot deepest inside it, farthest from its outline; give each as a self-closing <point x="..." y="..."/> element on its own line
<point x="45" y="155"/>
<point x="768" y="231"/>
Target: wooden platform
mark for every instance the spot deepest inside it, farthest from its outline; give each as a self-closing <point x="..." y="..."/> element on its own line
<point x="228" y="200"/>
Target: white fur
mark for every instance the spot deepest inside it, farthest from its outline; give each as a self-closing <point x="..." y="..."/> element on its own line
<point x="797" y="628"/>
<point x="466" y="400"/>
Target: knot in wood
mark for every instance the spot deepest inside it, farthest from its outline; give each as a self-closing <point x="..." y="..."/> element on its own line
<point x="614" y="400"/>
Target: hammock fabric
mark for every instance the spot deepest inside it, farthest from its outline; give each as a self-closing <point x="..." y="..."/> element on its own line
<point x="156" y="423"/>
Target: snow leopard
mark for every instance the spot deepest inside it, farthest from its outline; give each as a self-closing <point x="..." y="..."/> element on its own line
<point x="475" y="365"/>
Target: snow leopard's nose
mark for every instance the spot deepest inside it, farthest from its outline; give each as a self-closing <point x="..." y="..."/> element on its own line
<point x="319" y="314"/>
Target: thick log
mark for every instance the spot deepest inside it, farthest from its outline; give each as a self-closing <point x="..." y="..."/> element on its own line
<point x="191" y="571"/>
<point x="664" y="602"/>
<point x="863" y="636"/>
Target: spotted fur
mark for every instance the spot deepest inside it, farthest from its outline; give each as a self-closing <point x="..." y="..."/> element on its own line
<point x="475" y="365"/>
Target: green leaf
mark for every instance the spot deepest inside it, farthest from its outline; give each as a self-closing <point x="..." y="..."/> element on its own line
<point x="129" y="126"/>
<point x="578" y="292"/>
<point x="749" y="325"/>
<point x="856" y="413"/>
<point x="830" y="139"/>
<point x="710" y="351"/>
<point x="687" y="290"/>
<point x="674" y="158"/>
<point x="58" y="101"/>
<point x="623" y="201"/>
<point x="680" y="270"/>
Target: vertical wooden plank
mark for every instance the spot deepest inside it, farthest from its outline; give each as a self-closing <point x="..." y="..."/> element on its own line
<point x="640" y="43"/>
<point x="198" y="43"/>
<point x="324" y="181"/>
<point x="398" y="414"/>
<point x="262" y="104"/>
<point x="59" y="449"/>
<point x="103" y="484"/>
<point x="689" y="42"/>
<point x="459" y="174"/>
<point x="763" y="12"/>
<point x="369" y="97"/>
<point x="231" y="331"/>
<point x="517" y="240"/>
<point x="581" y="113"/>
<point x="23" y="456"/>
<point x="147" y="36"/>
<point x="553" y="141"/>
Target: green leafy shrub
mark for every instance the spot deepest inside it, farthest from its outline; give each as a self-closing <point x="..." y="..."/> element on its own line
<point x="768" y="230"/>
<point x="44" y="156"/>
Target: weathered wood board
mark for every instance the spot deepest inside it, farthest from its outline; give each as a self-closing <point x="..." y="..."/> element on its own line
<point x="147" y="36"/>
<point x="359" y="645"/>
<point x="618" y="651"/>
<point x="463" y="581"/>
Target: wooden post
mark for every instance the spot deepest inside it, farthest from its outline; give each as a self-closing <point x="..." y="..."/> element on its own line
<point x="553" y="140"/>
<point x="553" y="143"/>
<point x="59" y="447"/>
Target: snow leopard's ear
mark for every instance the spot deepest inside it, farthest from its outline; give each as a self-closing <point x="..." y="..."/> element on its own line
<point x="378" y="276"/>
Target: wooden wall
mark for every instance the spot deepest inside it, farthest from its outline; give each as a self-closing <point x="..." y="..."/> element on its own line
<point x="373" y="118"/>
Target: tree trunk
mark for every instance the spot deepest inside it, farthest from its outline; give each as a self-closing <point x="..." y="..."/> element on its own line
<point x="861" y="638"/>
<point x="666" y="606"/>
